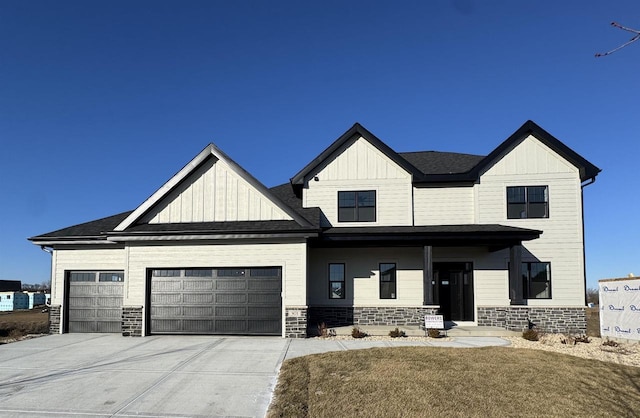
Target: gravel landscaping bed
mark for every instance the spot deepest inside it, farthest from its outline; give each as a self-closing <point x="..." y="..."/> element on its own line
<point x="625" y="353"/>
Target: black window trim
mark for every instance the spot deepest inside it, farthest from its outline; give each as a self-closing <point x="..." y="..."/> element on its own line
<point x="526" y="280"/>
<point x="394" y="281"/>
<point x="526" y="202"/>
<point x="343" y="281"/>
<point x="357" y="213"/>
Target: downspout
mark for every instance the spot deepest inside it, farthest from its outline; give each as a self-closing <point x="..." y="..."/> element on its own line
<point x="584" y="252"/>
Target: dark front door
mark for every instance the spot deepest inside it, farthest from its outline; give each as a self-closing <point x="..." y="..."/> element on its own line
<point x="454" y="290"/>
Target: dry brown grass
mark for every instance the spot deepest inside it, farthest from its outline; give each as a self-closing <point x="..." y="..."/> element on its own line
<point x="17" y="324"/>
<point x="425" y="381"/>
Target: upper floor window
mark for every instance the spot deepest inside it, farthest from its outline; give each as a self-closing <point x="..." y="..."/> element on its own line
<point x="357" y="206"/>
<point x="527" y="202"/>
<point x="536" y="280"/>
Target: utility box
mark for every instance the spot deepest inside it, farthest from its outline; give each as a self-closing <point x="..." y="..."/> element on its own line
<point x="620" y="308"/>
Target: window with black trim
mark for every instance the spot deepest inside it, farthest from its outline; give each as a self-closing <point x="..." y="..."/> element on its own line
<point x="357" y="206"/>
<point x="536" y="280"/>
<point x="336" y="281"/>
<point x="387" y="280"/>
<point x="527" y="202"/>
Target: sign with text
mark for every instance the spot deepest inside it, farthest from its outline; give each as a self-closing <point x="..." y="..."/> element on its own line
<point x="434" y="321"/>
<point x="620" y="308"/>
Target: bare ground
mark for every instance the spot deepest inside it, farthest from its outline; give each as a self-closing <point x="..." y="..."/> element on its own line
<point x="17" y="325"/>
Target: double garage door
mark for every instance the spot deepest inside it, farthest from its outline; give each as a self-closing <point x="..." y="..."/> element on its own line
<point x="216" y="301"/>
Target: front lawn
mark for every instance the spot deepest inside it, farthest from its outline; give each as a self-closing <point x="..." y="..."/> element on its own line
<point x="426" y="381"/>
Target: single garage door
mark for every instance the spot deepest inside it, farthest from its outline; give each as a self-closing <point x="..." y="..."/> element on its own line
<point x="94" y="302"/>
<point x="217" y="301"/>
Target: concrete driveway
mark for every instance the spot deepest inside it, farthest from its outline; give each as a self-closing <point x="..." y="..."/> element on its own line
<point x="105" y="375"/>
<point x="161" y="376"/>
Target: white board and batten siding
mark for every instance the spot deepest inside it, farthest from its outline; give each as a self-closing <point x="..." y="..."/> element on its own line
<point x="215" y="193"/>
<point x="361" y="166"/>
<point x="531" y="163"/>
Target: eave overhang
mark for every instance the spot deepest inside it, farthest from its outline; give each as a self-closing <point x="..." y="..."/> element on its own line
<point x="494" y="237"/>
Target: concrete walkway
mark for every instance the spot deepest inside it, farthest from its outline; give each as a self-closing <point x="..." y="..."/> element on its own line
<point x="106" y="375"/>
<point x="298" y="348"/>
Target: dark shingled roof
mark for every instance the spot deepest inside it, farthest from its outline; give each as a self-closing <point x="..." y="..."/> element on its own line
<point x="87" y="229"/>
<point x="213" y="227"/>
<point x="285" y="193"/>
<point x="434" y="162"/>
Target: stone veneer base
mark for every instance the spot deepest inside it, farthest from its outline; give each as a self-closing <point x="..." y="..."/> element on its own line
<point x="295" y="322"/>
<point x="54" y="319"/>
<point x="339" y="316"/>
<point x="516" y="318"/>
<point x="132" y="321"/>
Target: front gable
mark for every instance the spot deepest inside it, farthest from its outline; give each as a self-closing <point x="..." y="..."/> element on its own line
<point x="214" y="193"/>
<point x="532" y="150"/>
<point x="211" y="188"/>
<point x="378" y="161"/>
<point x="530" y="156"/>
<point x="357" y="159"/>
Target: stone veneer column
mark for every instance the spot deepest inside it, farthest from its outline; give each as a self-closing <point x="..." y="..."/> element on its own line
<point x="54" y="319"/>
<point x="295" y="322"/>
<point x="132" y="321"/>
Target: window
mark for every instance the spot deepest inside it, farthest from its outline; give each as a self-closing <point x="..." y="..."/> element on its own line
<point x="527" y="202"/>
<point x="198" y="273"/>
<point x="357" y="206"/>
<point x="111" y="277"/>
<point x="82" y="277"/>
<point x="536" y="280"/>
<point x="166" y="273"/>
<point x="387" y="281"/>
<point x="102" y="276"/>
<point x="336" y="281"/>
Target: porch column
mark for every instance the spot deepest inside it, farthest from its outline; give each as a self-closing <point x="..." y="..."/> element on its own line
<point x="515" y="275"/>
<point x="427" y="274"/>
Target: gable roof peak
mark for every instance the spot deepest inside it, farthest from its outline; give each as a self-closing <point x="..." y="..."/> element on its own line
<point x="586" y="169"/>
<point x="356" y="129"/>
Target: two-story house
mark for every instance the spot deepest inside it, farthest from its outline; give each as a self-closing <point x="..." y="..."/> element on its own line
<point x="361" y="235"/>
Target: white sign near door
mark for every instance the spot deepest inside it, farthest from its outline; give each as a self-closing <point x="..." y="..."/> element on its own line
<point x="434" y="322"/>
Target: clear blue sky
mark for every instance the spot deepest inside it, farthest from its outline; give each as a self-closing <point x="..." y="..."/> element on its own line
<point x="101" y="102"/>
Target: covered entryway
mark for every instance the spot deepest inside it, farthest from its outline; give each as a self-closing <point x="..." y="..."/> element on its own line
<point x="94" y="301"/>
<point x="244" y="301"/>
<point x="454" y="290"/>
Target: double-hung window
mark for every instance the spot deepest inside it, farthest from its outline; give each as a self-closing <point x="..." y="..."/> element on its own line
<point x="357" y="206"/>
<point x="527" y="202"/>
<point x="536" y="280"/>
<point x="336" y="281"/>
<point x="387" y="280"/>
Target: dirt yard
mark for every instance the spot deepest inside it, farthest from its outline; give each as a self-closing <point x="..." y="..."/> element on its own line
<point x="18" y="324"/>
